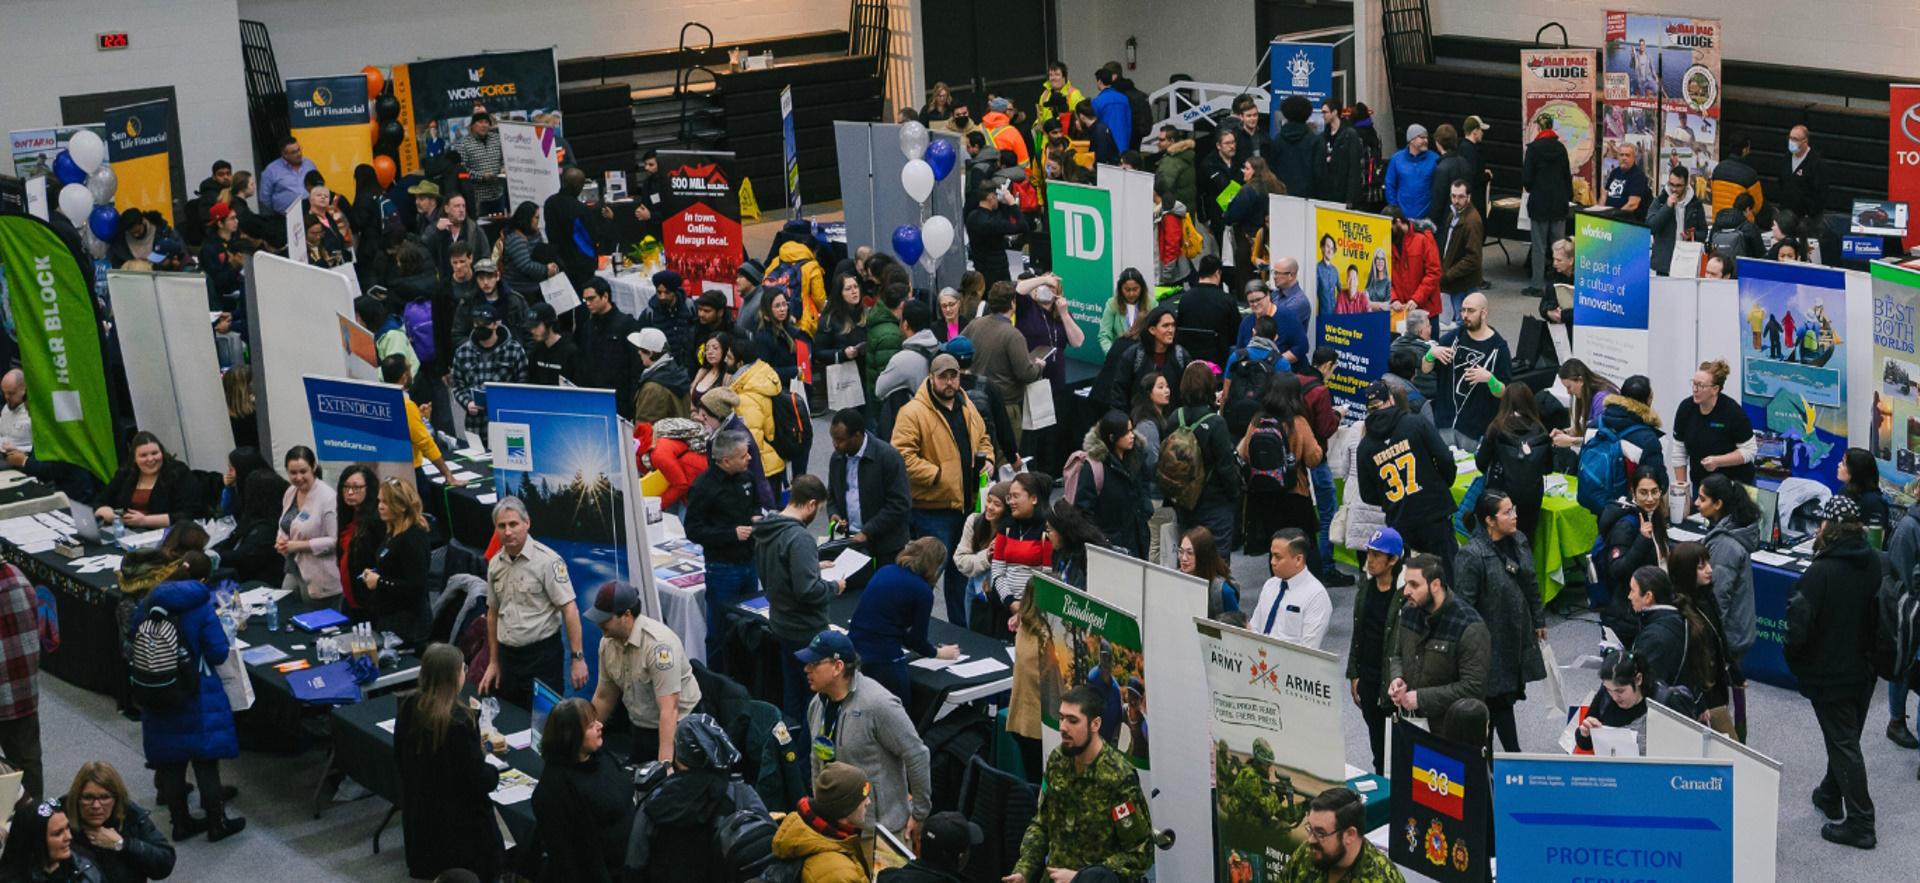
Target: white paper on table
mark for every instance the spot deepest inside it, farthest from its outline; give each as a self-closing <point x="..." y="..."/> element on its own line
<point x="489" y="499"/>
<point x="260" y="595"/>
<point x="845" y="566"/>
<point x="1685" y="263"/>
<point x="473" y="453"/>
<point x="464" y="475"/>
<point x="493" y="760"/>
<point x="1614" y="742"/>
<point x="559" y="293"/>
<point x="437" y="478"/>
<point x="1683" y="535"/>
<point x="1774" y="558"/>
<point x="387" y="725"/>
<point x="238" y="644"/>
<point x="513" y="795"/>
<point x="520" y="740"/>
<point x="976" y="668"/>
<point x="935" y="663"/>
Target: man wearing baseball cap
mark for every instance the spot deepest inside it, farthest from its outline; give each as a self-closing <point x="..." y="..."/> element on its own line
<point x="480" y="150"/>
<point x="551" y="357"/>
<point x="944" y="444"/>
<point x="1472" y="131"/>
<point x="1830" y="629"/>
<point x="999" y="125"/>
<point x="488" y="355"/>
<point x="663" y="379"/>
<point x="823" y="833"/>
<point x="1376" y="616"/>
<point x="853" y="719"/>
<point x="945" y="842"/>
<point x="509" y="309"/>
<point x="644" y="668"/>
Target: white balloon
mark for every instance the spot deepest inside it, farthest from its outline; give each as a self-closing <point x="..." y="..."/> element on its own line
<point x="102" y="184"/>
<point x="917" y="177"/>
<point x="913" y="140"/>
<point x="76" y="203"/>
<point x="929" y="262"/>
<point x="936" y="236"/>
<point x="86" y="150"/>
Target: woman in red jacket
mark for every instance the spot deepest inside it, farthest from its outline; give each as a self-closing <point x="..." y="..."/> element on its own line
<point x="676" y="448"/>
<point x="1416" y="267"/>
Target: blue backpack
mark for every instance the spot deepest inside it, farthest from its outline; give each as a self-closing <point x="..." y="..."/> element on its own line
<point x="417" y="319"/>
<point x="1603" y="471"/>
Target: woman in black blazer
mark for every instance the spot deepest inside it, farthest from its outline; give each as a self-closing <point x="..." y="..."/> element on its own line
<point x="444" y="776"/>
<point x="154" y="490"/>
<point x="398" y="579"/>
<point x="583" y="806"/>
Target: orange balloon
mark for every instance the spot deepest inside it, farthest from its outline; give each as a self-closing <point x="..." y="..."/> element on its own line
<point x="383" y="170"/>
<point x="376" y="81"/>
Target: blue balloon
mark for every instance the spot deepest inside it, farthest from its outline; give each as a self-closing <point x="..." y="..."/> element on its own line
<point x="906" y="243"/>
<point x="68" y="171"/>
<point x="104" y="222"/>
<point x="941" y="157"/>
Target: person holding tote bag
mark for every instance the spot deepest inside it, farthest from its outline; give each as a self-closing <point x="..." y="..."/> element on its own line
<point x="309" y="529"/>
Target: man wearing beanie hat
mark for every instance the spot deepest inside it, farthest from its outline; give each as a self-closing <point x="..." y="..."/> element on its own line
<point x="1376" y="616"/>
<point x="716" y="412"/>
<point x="1410" y="175"/>
<point x="710" y="317"/>
<point x="664" y="380"/>
<point x="747" y="293"/>
<point x="488" y="355"/>
<point x="669" y="313"/>
<point x="823" y="833"/>
<point x="551" y="356"/>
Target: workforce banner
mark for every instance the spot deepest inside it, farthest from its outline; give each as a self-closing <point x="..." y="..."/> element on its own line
<point x="702" y="227"/>
<point x="1352" y="262"/>
<point x="529" y="154"/>
<point x="1562" y="819"/>
<point x="331" y="117"/>
<point x="1662" y="89"/>
<point x="1895" y="436"/>
<point x="140" y="146"/>
<point x="1304" y="69"/>
<point x="33" y="150"/>
<point x="790" y="152"/>
<point x="1080" y="219"/>
<point x="1564" y="84"/>
<point x="1903" y="151"/>
<point x="438" y="97"/>
<point x="1276" y="744"/>
<point x="1087" y="641"/>
<point x="53" y="321"/>
<point x="1441" y="814"/>
<point x="1363" y="341"/>
<point x="1793" y="367"/>
<point x="1612" y="281"/>
<point x="357" y="421"/>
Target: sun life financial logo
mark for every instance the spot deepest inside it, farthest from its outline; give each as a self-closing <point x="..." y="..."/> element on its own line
<point x="133" y="127"/>
<point x="322" y="96"/>
<point x="349" y="406"/>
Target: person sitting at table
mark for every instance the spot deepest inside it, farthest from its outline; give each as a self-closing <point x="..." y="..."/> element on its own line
<point x="444" y="776"/>
<point x="306" y="532"/>
<point x="200" y="730"/>
<point x="118" y="834"/>
<point x="398" y="579"/>
<point x="250" y="550"/>
<point x="361" y="532"/>
<point x="40" y="846"/>
<point x="893" y="615"/>
<point x="151" y="491"/>
<point x="583" y="806"/>
<point x="16" y="423"/>
<point x="642" y="667"/>
<point x="241" y="462"/>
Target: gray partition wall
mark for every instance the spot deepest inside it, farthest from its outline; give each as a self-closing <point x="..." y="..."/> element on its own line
<point x="875" y="203"/>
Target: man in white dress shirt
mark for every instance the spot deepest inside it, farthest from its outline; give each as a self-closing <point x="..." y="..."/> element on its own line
<point x="1294" y="606"/>
<point x="16" y="425"/>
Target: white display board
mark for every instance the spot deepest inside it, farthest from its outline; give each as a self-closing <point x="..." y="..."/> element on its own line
<point x="1756" y="784"/>
<point x="1133" y="239"/>
<point x="136" y="312"/>
<point x="1671" y="343"/>
<point x="1860" y="378"/>
<point x="528" y="161"/>
<point x="173" y="375"/>
<point x="1290" y="235"/>
<point x="294" y="310"/>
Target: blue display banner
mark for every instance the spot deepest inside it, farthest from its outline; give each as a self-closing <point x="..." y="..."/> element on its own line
<point x="1793" y="377"/>
<point x="790" y="151"/>
<point x="358" y="422"/>
<point x="1363" y="341"/>
<point x="1611" y="273"/>
<point x="1298" y="69"/>
<point x="1576" y="819"/>
<point x="1863" y="248"/>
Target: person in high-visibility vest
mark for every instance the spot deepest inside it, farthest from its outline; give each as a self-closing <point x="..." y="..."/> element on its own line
<point x="1057" y="85"/>
<point x="1000" y="130"/>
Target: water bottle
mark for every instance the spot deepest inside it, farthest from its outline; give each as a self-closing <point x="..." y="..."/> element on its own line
<point x="227" y="623"/>
<point x="273" y="615"/>
<point x="119" y="528"/>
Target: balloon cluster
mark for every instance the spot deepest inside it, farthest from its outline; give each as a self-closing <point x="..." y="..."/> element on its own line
<point x="87" y="188"/>
<point x="386" y="131"/>
<point x="928" y="161"/>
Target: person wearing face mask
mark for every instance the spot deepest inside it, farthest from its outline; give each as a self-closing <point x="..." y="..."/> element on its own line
<point x="1676" y="216"/>
<point x="488" y="355"/>
<point x="1803" y="178"/>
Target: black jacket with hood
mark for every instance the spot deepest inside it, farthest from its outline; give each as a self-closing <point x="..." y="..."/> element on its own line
<point x="1832" y="620"/>
<point x="1636" y="424"/>
<point x="1297" y="154"/>
<point x="1411" y="491"/>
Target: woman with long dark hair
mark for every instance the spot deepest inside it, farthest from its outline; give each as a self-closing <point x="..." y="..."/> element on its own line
<point x="583" y="805"/>
<point x="1156" y="353"/>
<point x="1152" y="402"/>
<point x="308" y="528"/>
<point x="1860" y="482"/>
<point x="1675" y="637"/>
<point x="241" y="462"/>
<point x="251" y="549"/>
<point x="1635" y="529"/>
<point x="1130" y="300"/>
<point x="840" y="336"/>
<point x="973" y="555"/>
<point x="1280" y="450"/>
<point x="1070" y="532"/>
<point x="522" y="269"/>
<point x="436" y="741"/>
<point x="1110" y="486"/>
<point x="1021" y="548"/>
<point x="1200" y="557"/>
<point x="1733" y="534"/>
<point x="40" y="846"/>
<point x="361" y="533"/>
<point x="1691" y="571"/>
<point x="1588" y="392"/>
<point x="775" y="341"/>
<point x="152" y="489"/>
<point x="1494" y="575"/>
<point x="1517" y="453"/>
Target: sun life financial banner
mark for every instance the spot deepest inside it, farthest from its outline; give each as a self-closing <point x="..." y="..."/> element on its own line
<point x="330" y="116"/>
<point x="140" y="144"/>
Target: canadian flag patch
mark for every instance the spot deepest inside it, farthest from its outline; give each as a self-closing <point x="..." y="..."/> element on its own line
<point x="1123" y="811"/>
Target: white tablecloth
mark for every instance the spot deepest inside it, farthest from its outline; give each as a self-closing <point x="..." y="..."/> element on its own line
<point x="683" y="610"/>
<point x="631" y="290"/>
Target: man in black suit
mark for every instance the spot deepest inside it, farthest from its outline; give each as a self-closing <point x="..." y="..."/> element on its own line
<point x="872" y="499"/>
<point x="1803" y="180"/>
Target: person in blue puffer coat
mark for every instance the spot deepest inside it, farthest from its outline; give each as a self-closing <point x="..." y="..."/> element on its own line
<point x="200" y="731"/>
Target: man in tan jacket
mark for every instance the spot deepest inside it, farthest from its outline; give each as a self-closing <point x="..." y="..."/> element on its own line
<point x="945" y="446"/>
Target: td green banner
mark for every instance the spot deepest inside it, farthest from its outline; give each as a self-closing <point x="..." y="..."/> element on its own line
<point x="1081" y="221"/>
<point x="59" y="347"/>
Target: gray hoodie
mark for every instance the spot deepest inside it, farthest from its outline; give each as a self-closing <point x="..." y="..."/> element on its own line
<point x="1730" y="548"/>
<point x="788" y="559"/>
<point x="874" y="734"/>
<point x="907" y="369"/>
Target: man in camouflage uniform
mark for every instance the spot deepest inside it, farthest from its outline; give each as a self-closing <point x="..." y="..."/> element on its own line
<point x="1337" y="850"/>
<point x="1092" y="825"/>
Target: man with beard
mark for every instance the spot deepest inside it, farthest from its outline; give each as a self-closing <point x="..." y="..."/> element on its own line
<point x="943" y="443"/>
<point x="1442" y="651"/>
<point x="1336" y="848"/>
<point x="1472" y="366"/>
<point x="1092" y="821"/>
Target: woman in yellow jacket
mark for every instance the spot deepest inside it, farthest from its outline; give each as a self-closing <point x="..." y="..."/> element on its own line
<point x="758" y="387"/>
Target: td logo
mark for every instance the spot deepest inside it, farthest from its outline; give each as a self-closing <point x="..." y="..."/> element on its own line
<point x="1085" y="232"/>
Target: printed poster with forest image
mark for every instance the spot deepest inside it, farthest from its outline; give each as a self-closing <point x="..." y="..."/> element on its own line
<point x="1087" y="641"/>
<point x="1793" y="373"/>
<point x="1276" y="743"/>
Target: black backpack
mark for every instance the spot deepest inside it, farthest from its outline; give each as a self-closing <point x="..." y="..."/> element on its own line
<point x="1897" y="629"/>
<point x="1250" y="379"/>
<point x="1728" y="242"/>
<point x="1271" y="466"/>
<point x="792" y="426"/>
<point x="160" y="669"/>
<point x="744" y="839"/>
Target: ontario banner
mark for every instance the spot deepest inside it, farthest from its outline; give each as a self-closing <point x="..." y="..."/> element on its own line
<point x="331" y="117"/>
<point x="140" y="145"/>
<point x="1563" y="84"/>
<point x="1352" y="263"/>
<point x="1793" y="370"/>
<point x="438" y="97"/>
<point x="1441" y="810"/>
<point x="52" y="315"/>
<point x="702" y="227"/>
<point x="1087" y="641"/>
<point x="1276" y="743"/>
<point x="34" y="149"/>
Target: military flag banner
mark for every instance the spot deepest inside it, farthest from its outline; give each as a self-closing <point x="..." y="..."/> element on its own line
<point x="1440" y="810"/>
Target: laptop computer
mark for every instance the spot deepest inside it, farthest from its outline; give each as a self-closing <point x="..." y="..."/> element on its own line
<point x="1768" y="502"/>
<point x="86" y="525"/>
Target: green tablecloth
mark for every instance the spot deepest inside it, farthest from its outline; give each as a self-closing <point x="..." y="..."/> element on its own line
<point x="1567" y="531"/>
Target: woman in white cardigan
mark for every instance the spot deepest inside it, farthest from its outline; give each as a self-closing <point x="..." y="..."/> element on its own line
<point x="309" y="529"/>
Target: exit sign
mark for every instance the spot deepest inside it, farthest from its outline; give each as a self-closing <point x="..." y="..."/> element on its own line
<point x="115" y="40"/>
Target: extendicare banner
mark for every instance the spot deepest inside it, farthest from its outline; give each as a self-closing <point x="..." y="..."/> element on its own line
<point x="1793" y="372"/>
<point x="1577" y="819"/>
<point x="438" y="97"/>
<point x="1080" y="219"/>
<point x="33" y="150"/>
<point x="140" y="145"/>
<point x="1895" y="436"/>
<point x="1440" y="803"/>
<point x="1903" y="150"/>
<point x="330" y="117"/>
<point x="1611" y="285"/>
<point x="1351" y="262"/>
<point x="1363" y="341"/>
<point x="356" y="421"/>
<point x="1276" y="744"/>
<point x="702" y="228"/>
<point x="1663" y="89"/>
<point x="1564" y="84"/>
<point x="59" y="341"/>
<point x="1304" y="69"/>
<point x="529" y="154"/>
<point x="1087" y="641"/>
